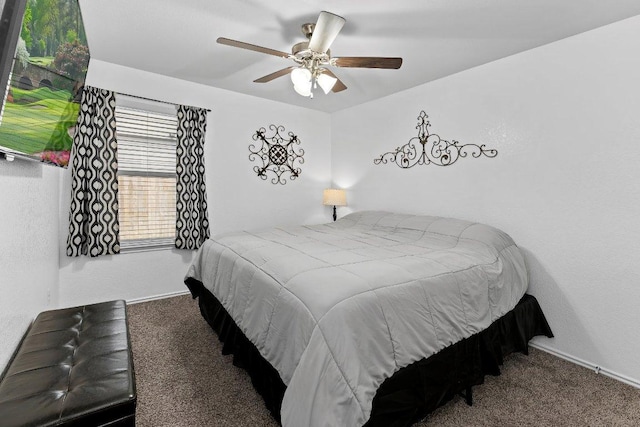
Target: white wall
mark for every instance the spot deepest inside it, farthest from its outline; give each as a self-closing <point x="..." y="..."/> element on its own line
<point x="28" y="247"/>
<point x="565" y="119"/>
<point x="237" y="198"/>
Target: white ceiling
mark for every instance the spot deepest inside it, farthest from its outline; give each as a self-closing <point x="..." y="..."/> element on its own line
<point x="435" y="38"/>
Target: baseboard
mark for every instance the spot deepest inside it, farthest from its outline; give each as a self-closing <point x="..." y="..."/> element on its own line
<point x="157" y="297"/>
<point x="592" y="366"/>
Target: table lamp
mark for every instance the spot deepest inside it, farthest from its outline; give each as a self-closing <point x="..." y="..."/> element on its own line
<point x="335" y="197"/>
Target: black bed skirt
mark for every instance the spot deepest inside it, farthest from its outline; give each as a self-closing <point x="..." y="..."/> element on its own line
<point x="415" y="390"/>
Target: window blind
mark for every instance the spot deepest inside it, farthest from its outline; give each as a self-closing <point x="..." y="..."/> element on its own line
<point x="146" y="177"/>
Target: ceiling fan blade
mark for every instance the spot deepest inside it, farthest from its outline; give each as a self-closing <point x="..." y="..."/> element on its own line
<point x="368" y="62"/>
<point x="275" y="75"/>
<point x="325" y="32"/>
<point x="339" y="86"/>
<point x="249" y="46"/>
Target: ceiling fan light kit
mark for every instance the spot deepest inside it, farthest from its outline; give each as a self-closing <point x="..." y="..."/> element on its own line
<point x="313" y="58"/>
<point x="326" y="82"/>
<point x="301" y="78"/>
<point x="304" y="89"/>
<point x="304" y="81"/>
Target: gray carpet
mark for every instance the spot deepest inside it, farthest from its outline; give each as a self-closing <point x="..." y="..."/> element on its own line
<point x="184" y="380"/>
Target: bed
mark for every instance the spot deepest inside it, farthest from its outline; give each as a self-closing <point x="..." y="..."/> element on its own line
<point x="336" y="322"/>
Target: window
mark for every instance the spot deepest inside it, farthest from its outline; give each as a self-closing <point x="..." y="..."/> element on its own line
<point x="146" y="175"/>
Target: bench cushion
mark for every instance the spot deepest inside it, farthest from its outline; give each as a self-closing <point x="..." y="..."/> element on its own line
<point x="74" y="367"/>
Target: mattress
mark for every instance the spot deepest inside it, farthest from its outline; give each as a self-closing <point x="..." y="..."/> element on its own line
<point x="338" y="308"/>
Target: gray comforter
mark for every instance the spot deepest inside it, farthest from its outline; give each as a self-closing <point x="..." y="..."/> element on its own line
<point x="338" y="308"/>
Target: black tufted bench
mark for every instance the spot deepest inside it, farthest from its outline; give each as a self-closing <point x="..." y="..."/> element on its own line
<point x="74" y="367"/>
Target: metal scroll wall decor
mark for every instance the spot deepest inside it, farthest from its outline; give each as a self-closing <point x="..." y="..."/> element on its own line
<point x="428" y="148"/>
<point x="276" y="154"/>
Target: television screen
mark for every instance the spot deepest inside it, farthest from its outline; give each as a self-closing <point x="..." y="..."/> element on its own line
<point x="46" y="76"/>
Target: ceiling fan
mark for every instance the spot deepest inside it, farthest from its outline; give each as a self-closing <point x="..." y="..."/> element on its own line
<point x="313" y="57"/>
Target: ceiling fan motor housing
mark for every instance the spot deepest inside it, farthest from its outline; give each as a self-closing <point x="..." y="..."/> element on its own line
<point x="299" y="48"/>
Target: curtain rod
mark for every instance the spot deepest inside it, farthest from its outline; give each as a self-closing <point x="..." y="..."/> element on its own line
<point x="162" y="102"/>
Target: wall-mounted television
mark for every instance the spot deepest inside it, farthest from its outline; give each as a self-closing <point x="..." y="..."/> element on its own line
<point x="43" y="65"/>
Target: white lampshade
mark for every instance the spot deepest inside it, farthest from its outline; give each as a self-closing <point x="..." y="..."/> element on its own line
<point x="326" y="82"/>
<point x="334" y="197"/>
<point x="303" y="89"/>
<point x="301" y="77"/>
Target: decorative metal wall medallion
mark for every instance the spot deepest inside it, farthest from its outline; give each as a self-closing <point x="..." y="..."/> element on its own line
<point x="429" y="148"/>
<point x="276" y="154"/>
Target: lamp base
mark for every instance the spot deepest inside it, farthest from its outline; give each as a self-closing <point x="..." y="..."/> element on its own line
<point x="334" y="213"/>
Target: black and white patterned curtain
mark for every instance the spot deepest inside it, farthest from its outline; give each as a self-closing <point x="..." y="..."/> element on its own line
<point x="192" y="223"/>
<point x="93" y="216"/>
